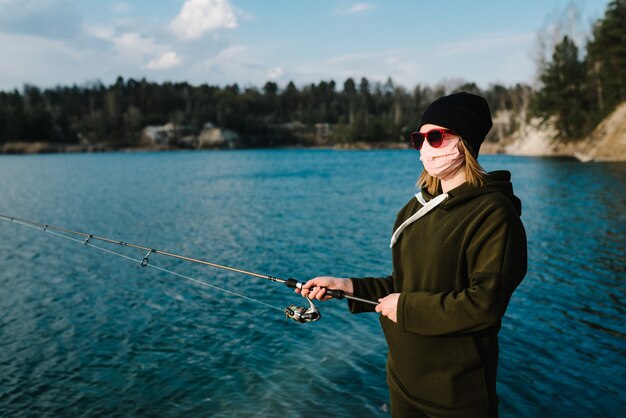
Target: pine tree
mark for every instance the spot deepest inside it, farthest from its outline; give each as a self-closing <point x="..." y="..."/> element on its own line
<point x="562" y="93"/>
<point x="607" y="58"/>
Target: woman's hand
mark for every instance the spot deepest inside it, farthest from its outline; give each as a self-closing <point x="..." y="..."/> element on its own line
<point x="321" y="283"/>
<point x="388" y="306"/>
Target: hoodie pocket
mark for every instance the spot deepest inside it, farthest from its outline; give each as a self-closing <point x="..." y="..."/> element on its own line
<point x="468" y="351"/>
<point x="443" y="371"/>
<point x="470" y="356"/>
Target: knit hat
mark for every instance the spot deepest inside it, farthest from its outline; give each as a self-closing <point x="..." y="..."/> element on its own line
<point x="466" y="114"/>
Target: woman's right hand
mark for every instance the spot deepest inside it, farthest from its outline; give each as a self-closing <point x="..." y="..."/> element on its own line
<point x="316" y="288"/>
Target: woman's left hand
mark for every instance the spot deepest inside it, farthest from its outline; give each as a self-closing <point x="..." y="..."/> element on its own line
<point x="388" y="306"/>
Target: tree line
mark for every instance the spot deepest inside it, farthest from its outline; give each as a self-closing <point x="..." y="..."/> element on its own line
<point x="116" y="114"/>
<point x="576" y="92"/>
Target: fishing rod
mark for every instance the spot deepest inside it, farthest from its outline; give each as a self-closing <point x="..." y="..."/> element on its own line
<point x="297" y="313"/>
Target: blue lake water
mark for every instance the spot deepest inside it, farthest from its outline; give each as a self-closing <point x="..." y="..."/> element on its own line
<point x="86" y="333"/>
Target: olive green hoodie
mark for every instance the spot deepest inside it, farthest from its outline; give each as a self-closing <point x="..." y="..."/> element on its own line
<point x="455" y="269"/>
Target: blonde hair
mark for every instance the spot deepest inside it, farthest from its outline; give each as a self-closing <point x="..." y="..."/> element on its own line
<point x="474" y="173"/>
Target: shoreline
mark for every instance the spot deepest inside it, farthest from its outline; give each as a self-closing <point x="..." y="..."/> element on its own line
<point x="488" y="148"/>
<point x="607" y="143"/>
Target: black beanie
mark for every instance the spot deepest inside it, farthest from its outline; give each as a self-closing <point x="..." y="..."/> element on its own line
<point x="466" y="114"/>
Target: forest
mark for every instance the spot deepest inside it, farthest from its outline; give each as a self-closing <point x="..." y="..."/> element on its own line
<point x="579" y="86"/>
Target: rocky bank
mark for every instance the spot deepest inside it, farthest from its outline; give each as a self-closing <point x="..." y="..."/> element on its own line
<point x="606" y="143"/>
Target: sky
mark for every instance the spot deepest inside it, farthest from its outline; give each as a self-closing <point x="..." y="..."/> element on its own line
<point x="249" y="42"/>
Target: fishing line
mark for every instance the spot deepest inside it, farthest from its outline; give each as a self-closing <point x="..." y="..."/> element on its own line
<point x="140" y="261"/>
<point x="297" y="313"/>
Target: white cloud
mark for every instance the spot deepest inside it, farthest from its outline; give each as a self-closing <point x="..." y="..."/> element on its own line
<point x="356" y="8"/>
<point x="137" y="50"/>
<point x="164" y="62"/>
<point x="275" y="73"/>
<point x="487" y="42"/>
<point x="197" y="17"/>
<point x="244" y="15"/>
<point x="376" y="65"/>
<point x="353" y="59"/>
<point x="101" y="32"/>
<point x="503" y="51"/>
<point x="236" y="57"/>
<point x="239" y="64"/>
<point x="133" y="44"/>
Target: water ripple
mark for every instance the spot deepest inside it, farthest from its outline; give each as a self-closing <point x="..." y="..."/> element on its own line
<point x="88" y="334"/>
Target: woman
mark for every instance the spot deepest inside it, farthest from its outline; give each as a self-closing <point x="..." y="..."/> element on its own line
<point x="459" y="252"/>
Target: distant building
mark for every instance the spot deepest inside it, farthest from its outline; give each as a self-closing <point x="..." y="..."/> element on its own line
<point x="323" y="133"/>
<point x="158" y="135"/>
<point x="214" y="137"/>
<point x="169" y="134"/>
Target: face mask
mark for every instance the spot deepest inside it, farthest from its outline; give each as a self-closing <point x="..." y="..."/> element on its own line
<point x="444" y="161"/>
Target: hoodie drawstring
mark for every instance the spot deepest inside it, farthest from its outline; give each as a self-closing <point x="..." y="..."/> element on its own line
<point x="426" y="207"/>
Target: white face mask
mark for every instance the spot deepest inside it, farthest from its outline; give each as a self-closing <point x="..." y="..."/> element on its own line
<point x="442" y="162"/>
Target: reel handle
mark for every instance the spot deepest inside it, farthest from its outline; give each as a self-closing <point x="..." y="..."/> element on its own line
<point x="335" y="293"/>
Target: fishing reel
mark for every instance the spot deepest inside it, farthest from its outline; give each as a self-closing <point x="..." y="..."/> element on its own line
<point x="301" y="314"/>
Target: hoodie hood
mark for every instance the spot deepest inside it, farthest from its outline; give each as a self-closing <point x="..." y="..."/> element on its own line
<point x="495" y="181"/>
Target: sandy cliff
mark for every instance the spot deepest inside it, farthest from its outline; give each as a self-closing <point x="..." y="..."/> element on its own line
<point x="606" y="143"/>
<point x="608" y="140"/>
